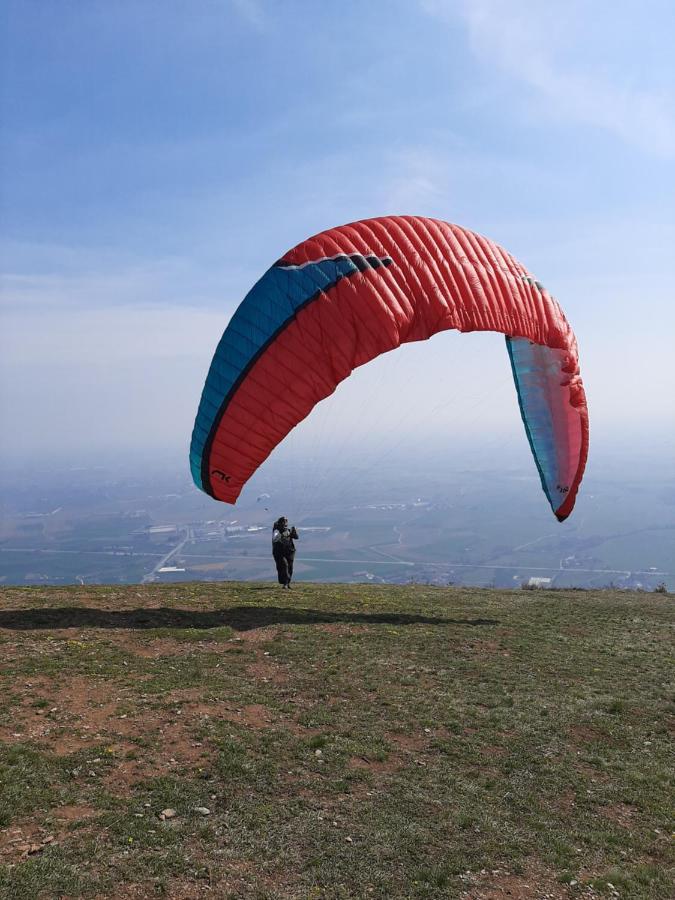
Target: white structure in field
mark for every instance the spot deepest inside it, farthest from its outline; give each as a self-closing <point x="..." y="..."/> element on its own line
<point x="539" y="582"/>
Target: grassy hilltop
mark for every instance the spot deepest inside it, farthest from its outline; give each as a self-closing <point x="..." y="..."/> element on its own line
<point x="334" y="741"/>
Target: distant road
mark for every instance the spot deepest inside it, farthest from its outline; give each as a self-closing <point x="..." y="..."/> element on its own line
<point x="443" y="565"/>
<point x="164" y="560"/>
<point x="360" y="561"/>
<point x="96" y="552"/>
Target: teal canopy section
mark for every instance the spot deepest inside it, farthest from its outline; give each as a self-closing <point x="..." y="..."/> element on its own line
<point x="267" y="308"/>
<point x="538" y="378"/>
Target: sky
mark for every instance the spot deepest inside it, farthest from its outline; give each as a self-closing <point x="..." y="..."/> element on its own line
<point x="158" y="156"/>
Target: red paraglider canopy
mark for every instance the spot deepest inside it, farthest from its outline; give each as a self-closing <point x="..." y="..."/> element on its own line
<point x="343" y="297"/>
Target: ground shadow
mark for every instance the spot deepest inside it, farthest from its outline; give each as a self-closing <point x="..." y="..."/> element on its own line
<point x="240" y="618"/>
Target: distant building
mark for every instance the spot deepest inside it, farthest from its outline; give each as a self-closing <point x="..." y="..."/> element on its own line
<point x="158" y="533"/>
<point x="539" y="582"/>
<point x="170" y="569"/>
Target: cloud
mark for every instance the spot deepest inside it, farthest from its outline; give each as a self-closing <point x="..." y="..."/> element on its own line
<point x="417" y="178"/>
<point x="46" y="276"/>
<point x="109" y="336"/>
<point x="251" y="11"/>
<point x="576" y="78"/>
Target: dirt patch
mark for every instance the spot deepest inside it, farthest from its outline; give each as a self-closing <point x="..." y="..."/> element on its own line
<point x="267" y="672"/>
<point x="593" y="774"/>
<point x="71" y="715"/>
<point x="266" y="669"/>
<point x="257" y="635"/>
<point x="187" y="698"/>
<point x="153" y="649"/>
<point x="173" y="754"/>
<point x="65" y="742"/>
<point x="585" y="734"/>
<point x="566" y="802"/>
<point x="93" y="712"/>
<point x="392" y="764"/>
<point x="23" y="839"/>
<point x="496" y="885"/>
<point x="254" y="716"/>
<point x="413" y="743"/>
<point x="27" y="838"/>
<point x="73" y="813"/>
<point x="621" y="813"/>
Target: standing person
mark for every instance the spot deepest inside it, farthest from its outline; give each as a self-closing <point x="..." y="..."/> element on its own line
<point x="283" y="550"/>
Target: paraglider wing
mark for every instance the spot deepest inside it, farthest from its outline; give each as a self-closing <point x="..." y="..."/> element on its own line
<point x="343" y="297"/>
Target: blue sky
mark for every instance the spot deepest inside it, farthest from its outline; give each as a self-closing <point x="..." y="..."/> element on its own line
<point x="158" y="156"/>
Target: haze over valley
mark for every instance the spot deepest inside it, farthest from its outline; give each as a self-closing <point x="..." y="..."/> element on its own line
<point x="376" y="519"/>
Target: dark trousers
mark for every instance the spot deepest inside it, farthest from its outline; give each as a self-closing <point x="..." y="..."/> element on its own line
<point x="284" y="560"/>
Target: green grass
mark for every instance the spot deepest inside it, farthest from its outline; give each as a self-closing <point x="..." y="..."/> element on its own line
<point x="349" y="741"/>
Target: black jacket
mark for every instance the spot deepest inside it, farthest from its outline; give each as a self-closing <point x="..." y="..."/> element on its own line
<point x="282" y="540"/>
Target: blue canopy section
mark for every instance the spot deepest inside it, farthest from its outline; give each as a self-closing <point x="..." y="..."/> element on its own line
<point x="536" y="372"/>
<point x="267" y="308"/>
